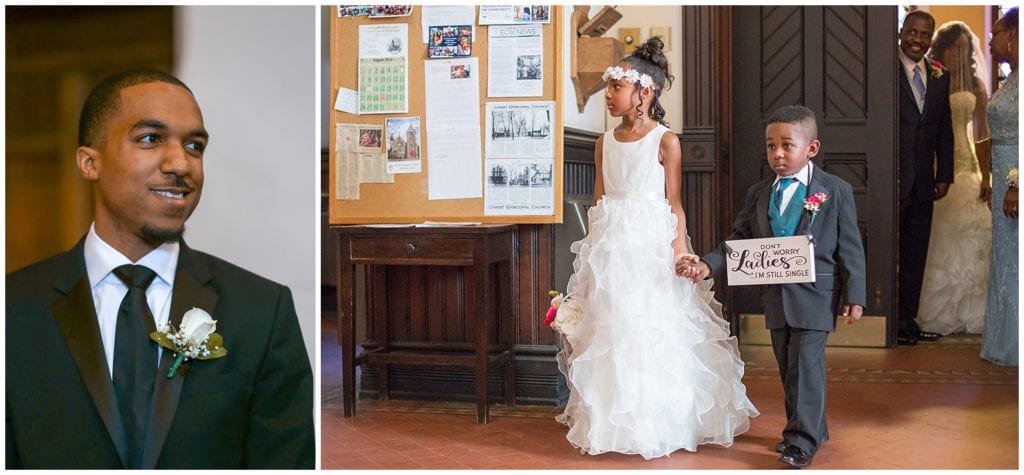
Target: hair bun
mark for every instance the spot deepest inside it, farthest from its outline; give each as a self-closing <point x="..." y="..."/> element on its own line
<point x="651" y="48"/>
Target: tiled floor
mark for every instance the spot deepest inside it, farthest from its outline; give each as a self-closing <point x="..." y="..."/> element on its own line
<point x="936" y="405"/>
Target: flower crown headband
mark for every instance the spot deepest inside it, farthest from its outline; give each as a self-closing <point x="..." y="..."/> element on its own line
<point x="631" y="76"/>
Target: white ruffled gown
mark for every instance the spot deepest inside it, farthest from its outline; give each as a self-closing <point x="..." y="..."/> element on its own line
<point x="651" y="367"/>
<point x="954" y="289"/>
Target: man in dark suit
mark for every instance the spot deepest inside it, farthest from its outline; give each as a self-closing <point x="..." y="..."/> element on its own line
<point x="86" y="386"/>
<point x="800" y="316"/>
<point x="926" y="163"/>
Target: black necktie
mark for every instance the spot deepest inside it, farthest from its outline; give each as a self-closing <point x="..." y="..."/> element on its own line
<point x="134" y="358"/>
<point x="783" y="184"/>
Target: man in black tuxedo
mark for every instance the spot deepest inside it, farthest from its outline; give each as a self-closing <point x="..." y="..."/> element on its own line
<point x="926" y="162"/>
<point x="85" y="385"/>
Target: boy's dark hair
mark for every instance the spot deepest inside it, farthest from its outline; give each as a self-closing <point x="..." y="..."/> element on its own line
<point x="919" y="13"/>
<point x="105" y="100"/>
<point x="797" y="115"/>
<point x="649" y="59"/>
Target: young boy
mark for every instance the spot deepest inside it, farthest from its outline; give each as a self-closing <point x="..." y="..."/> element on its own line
<point x="800" y="315"/>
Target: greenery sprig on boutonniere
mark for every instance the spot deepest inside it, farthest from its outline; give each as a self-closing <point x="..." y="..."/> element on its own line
<point x="814" y="203"/>
<point x="194" y="340"/>
<point x="937" y="69"/>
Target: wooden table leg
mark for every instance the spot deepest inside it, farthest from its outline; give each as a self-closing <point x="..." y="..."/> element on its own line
<point x="479" y="318"/>
<point x="508" y="328"/>
<point x="347" y="324"/>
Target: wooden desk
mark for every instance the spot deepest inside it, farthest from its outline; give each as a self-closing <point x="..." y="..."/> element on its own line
<point x="478" y="248"/>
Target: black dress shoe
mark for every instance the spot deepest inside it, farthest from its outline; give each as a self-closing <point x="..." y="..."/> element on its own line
<point x="796" y="457"/>
<point x="906" y="338"/>
<point x="928" y="336"/>
<point x="781" y="446"/>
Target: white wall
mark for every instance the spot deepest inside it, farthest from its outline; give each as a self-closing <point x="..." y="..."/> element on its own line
<point x="252" y="70"/>
<point x="594" y="117"/>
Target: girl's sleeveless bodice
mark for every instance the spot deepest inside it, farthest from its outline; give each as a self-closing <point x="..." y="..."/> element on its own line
<point x="632" y="167"/>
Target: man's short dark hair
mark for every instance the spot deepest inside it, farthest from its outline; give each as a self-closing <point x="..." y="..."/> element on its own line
<point x="922" y="14"/>
<point x="105" y="100"/>
<point x="797" y="115"/>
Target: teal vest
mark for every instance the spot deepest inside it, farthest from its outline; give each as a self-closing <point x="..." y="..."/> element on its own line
<point x="785" y="224"/>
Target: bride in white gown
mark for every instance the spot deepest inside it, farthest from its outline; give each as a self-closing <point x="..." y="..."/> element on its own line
<point x="955" y="287"/>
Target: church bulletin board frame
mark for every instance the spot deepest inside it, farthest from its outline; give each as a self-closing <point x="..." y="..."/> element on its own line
<point x="406" y="200"/>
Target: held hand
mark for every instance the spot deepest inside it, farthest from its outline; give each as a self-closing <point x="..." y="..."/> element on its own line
<point x="696" y="270"/>
<point x="941" y="188"/>
<point x="684" y="260"/>
<point x="1010" y="203"/>
<point x="985" y="194"/>
<point x="852" y="312"/>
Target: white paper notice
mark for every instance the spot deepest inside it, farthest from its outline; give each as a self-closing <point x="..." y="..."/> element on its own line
<point x="348" y="101"/>
<point x="520" y="156"/>
<point x="441" y="15"/>
<point x="516" y="55"/>
<point x="519" y="129"/>
<point x="519" y="187"/>
<point x="383" y="68"/>
<point x="453" y="129"/>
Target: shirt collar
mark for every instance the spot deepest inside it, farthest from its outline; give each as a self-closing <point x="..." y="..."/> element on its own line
<point x="803" y="176"/>
<point x="909" y="65"/>
<point x="101" y="259"/>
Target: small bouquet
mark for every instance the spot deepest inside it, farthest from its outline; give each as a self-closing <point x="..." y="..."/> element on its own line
<point x="564" y="313"/>
<point x="937" y="69"/>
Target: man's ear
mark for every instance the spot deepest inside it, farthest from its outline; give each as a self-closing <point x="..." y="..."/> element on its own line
<point x="813" y="148"/>
<point x="88" y="164"/>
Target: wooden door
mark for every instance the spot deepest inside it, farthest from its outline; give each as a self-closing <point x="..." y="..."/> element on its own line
<point x="840" y="62"/>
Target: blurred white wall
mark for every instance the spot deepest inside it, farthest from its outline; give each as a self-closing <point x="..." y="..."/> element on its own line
<point x="253" y="72"/>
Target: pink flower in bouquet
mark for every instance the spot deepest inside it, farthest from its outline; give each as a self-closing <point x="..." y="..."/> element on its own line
<point x="814" y="203"/>
<point x="556" y="300"/>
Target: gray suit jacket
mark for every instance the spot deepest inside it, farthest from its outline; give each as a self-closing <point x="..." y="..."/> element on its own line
<point x="838" y="255"/>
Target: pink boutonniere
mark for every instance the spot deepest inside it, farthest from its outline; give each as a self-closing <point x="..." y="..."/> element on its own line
<point x="814" y="203"/>
<point x="937" y="69"/>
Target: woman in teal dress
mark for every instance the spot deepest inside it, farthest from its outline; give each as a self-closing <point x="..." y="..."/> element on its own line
<point x="1000" y="338"/>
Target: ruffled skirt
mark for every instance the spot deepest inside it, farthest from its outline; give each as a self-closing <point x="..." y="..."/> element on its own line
<point x="651" y="366"/>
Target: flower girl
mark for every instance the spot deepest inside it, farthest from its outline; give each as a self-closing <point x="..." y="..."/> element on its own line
<point x="647" y="356"/>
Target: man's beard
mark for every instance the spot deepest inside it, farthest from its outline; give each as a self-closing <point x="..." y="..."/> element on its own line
<point x="157" y="236"/>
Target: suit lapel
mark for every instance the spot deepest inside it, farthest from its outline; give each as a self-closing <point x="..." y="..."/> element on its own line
<point x="932" y="89"/>
<point x="75" y="314"/>
<point x="815" y="186"/>
<point x="761" y="205"/>
<point x="190" y="291"/>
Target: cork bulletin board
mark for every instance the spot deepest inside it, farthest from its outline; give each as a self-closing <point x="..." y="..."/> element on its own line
<point x="406" y="200"/>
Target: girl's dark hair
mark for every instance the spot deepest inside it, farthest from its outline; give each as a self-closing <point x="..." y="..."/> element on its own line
<point x="649" y="59"/>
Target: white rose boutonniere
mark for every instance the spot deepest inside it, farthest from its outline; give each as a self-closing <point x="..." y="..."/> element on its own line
<point x="195" y="340"/>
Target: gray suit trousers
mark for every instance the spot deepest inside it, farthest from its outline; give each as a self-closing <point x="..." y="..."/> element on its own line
<point x="800" y="354"/>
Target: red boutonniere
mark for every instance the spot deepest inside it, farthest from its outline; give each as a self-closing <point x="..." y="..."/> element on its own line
<point x="814" y="203"/>
<point x="937" y="69"/>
